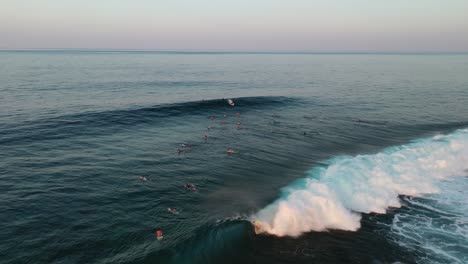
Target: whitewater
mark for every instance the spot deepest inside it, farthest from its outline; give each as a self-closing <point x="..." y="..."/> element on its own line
<point x="335" y="195"/>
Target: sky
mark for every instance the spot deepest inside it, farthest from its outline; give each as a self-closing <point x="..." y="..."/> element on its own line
<point x="237" y="25"/>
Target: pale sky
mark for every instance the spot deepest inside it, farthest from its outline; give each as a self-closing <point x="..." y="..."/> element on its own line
<point x="237" y="25"/>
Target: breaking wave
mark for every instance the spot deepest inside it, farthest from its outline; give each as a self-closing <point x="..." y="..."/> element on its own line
<point x="333" y="196"/>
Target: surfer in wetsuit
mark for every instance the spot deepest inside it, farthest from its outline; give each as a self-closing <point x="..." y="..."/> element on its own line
<point x="230" y="151"/>
<point x="159" y="234"/>
<point x="190" y="187"/>
<point x="143" y="178"/>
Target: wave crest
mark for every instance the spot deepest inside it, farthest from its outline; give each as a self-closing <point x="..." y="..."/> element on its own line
<point x="333" y="196"/>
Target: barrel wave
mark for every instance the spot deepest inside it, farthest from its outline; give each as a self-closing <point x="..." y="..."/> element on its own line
<point x="334" y="196"/>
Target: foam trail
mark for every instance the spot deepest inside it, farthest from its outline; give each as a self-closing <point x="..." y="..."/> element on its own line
<point x="333" y="196"/>
<point x="435" y="226"/>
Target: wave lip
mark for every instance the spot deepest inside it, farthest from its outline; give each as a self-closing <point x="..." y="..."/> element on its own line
<point x="333" y="196"/>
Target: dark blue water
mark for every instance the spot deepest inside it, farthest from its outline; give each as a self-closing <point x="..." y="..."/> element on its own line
<point x="342" y="158"/>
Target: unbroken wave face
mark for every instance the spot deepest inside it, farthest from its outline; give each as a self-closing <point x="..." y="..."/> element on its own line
<point x="333" y="196"/>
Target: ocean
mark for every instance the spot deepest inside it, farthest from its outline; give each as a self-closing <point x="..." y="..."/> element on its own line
<point x="340" y="158"/>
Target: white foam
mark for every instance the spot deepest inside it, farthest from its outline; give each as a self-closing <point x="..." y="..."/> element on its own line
<point x="333" y="196"/>
<point x="439" y="224"/>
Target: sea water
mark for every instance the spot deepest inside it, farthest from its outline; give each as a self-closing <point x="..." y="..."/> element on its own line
<point x="343" y="158"/>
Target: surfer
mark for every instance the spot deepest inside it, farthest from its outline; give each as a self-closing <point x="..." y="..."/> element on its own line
<point x="172" y="210"/>
<point x="180" y="150"/>
<point x="213" y="117"/>
<point x="230" y="102"/>
<point x="143" y="178"/>
<point x="224" y="116"/>
<point x="238" y="123"/>
<point x="231" y="151"/>
<point x="190" y="186"/>
<point x="159" y="234"/>
<point x="205" y="137"/>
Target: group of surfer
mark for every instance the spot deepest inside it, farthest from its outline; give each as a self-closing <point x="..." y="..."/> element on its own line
<point x="186" y="147"/>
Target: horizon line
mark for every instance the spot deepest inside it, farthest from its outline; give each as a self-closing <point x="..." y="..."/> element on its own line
<point x="196" y="51"/>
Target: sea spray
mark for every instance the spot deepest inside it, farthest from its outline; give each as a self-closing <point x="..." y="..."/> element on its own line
<point x="333" y="196"/>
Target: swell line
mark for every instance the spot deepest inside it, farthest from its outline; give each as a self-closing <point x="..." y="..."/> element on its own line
<point x="92" y="123"/>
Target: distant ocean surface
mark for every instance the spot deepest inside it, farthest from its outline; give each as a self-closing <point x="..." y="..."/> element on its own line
<point x="341" y="158"/>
